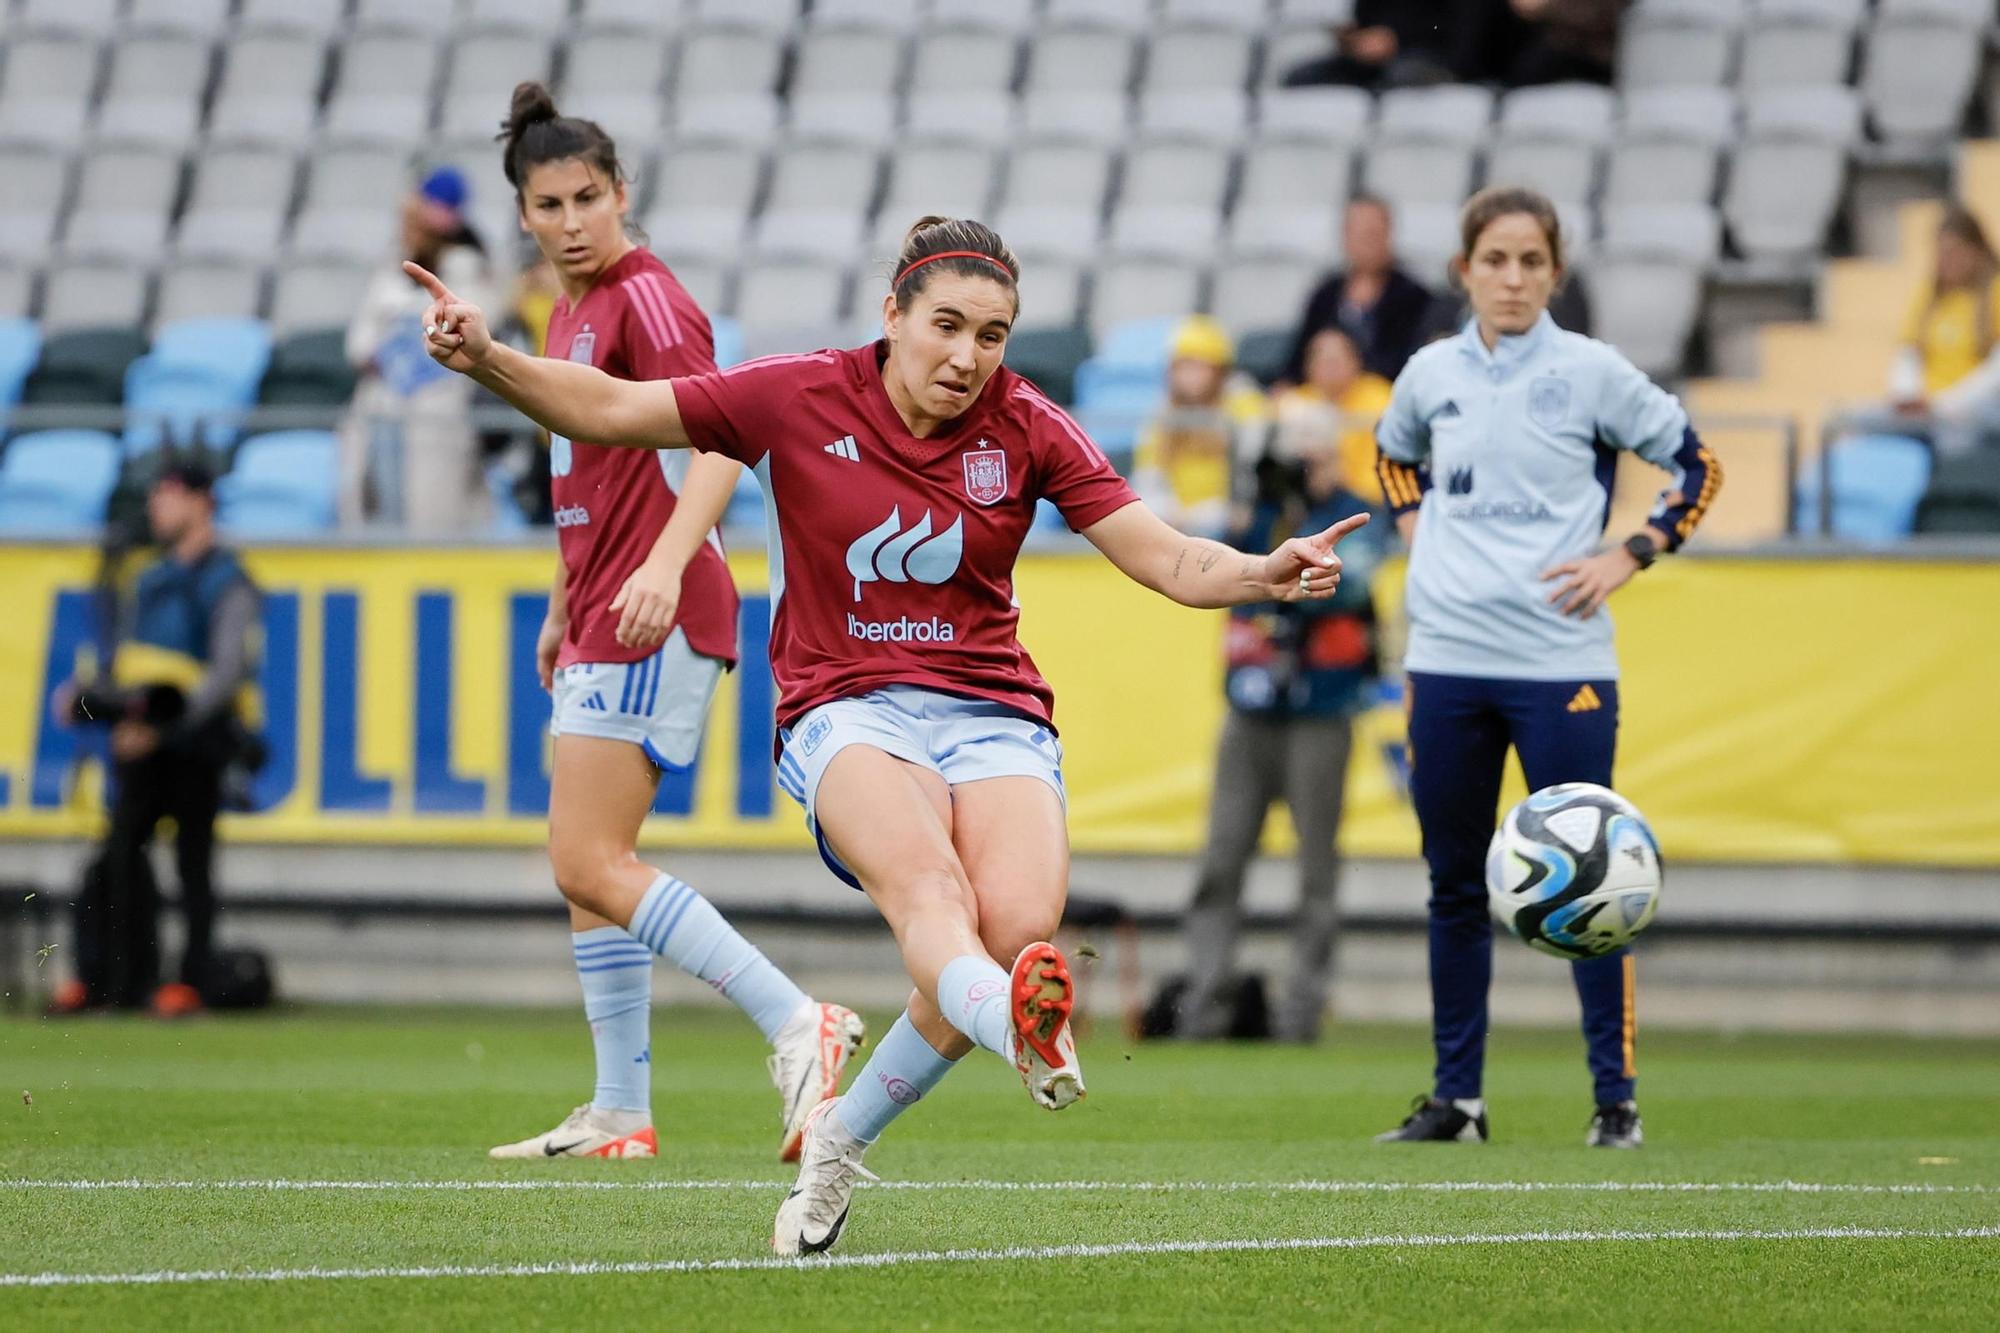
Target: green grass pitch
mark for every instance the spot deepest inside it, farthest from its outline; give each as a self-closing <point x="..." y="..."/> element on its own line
<point x="1208" y="1186"/>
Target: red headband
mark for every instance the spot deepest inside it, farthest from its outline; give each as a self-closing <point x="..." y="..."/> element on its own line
<point x="951" y="254"/>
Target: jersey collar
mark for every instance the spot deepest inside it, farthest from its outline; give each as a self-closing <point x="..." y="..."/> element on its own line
<point x="1512" y="351"/>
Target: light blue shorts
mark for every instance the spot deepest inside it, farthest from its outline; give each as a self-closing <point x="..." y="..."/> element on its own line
<point x="659" y="703"/>
<point x="959" y="739"/>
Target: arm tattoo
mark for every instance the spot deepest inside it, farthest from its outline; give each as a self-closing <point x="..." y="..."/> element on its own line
<point x="1180" y="560"/>
<point x="1208" y="559"/>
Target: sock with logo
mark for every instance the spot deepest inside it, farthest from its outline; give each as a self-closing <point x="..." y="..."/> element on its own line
<point x="617" y="975"/>
<point x="684" y="928"/>
<point x="972" y="995"/>
<point x="903" y="1068"/>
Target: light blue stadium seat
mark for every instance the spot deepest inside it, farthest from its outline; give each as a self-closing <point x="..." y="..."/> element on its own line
<point x="198" y="373"/>
<point x="1119" y="387"/>
<point x="746" y="503"/>
<point x="20" y="348"/>
<point x="1876" y="482"/>
<point x="1139" y="342"/>
<point x="728" y="340"/>
<point x="56" y="481"/>
<point x="285" y="482"/>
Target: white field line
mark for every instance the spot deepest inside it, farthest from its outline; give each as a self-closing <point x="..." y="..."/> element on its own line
<point x="1017" y="1254"/>
<point x="1049" y="1186"/>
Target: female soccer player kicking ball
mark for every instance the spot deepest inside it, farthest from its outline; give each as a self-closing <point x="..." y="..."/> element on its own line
<point x="901" y="479"/>
<point x="641" y="625"/>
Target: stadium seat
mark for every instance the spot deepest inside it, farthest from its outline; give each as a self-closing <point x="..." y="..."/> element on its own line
<point x="942" y="180"/>
<point x="1292" y="45"/>
<point x="1169" y="202"/>
<point x="308" y="369"/>
<point x="724" y="86"/>
<point x="1007" y="16"/>
<point x="537" y="16"/>
<point x="37" y="178"/>
<point x="1689" y="233"/>
<point x="83" y="366"/>
<point x="56" y="481"/>
<point x="1920" y="67"/>
<point x="1669" y="147"/>
<point x="93" y="294"/>
<point x="1051" y="294"/>
<point x="481" y="70"/>
<point x="963" y="60"/>
<point x="199" y="18"/>
<point x="400" y="15"/>
<point x="1101" y="116"/>
<point x="702" y="196"/>
<point x="349" y="206"/>
<point x="1795" y="43"/>
<point x="1426" y="239"/>
<point x="45" y="98"/>
<point x="1452" y="113"/>
<point x="154" y="90"/>
<point x="1872" y="485"/>
<point x="84" y="18"/>
<point x="1260" y="293"/>
<point x="1291" y="173"/>
<point x="205" y="289"/>
<point x="198" y="378"/>
<point x="1687" y="42"/>
<point x="237" y="203"/>
<point x="268" y="92"/>
<point x="820" y="196"/>
<point x="896" y="16"/>
<point x="1232" y="14"/>
<point x="124" y="197"/>
<point x="1049" y="357"/>
<point x="727" y="332"/>
<point x="20" y="348"/>
<point x="615" y="56"/>
<point x="1125" y="15"/>
<point x="1054" y="199"/>
<point x="770" y="16"/>
<point x="1125" y="290"/>
<point x="1564" y="169"/>
<point x="317" y="18"/>
<point x="1581" y="112"/>
<point x="1079" y="61"/>
<point x="1209" y="115"/>
<point x="383" y="91"/>
<point x="658" y="18"/>
<point x="1408" y="171"/>
<point x="1786" y="176"/>
<point x="280" y="483"/>
<point x="315" y="295"/>
<point x="1183" y="58"/>
<point x="1296" y="231"/>
<point x="1341" y="115"/>
<point x="1963" y="495"/>
<point x="1646" y="307"/>
<point x="17" y="290"/>
<point x="778" y="303"/>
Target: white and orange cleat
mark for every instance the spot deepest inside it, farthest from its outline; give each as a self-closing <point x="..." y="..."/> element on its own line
<point x="806" y="1063"/>
<point x="589" y="1132"/>
<point x="1041" y="996"/>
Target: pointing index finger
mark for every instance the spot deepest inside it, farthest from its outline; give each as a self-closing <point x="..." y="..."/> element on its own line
<point x="431" y="282"/>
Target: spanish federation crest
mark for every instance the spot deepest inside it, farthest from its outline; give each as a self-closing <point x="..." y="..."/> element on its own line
<point x="985" y="474"/>
<point x="583" y="346"/>
<point x="1548" y="401"/>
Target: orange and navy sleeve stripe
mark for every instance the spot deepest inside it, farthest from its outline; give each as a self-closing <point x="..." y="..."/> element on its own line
<point x="1403" y="485"/>
<point x="1681" y="510"/>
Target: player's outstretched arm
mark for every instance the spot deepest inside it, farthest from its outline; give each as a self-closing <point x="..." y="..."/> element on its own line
<point x="1195" y="571"/>
<point x="578" y="401"/>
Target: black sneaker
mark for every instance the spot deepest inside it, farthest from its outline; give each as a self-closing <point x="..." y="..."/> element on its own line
<point x="1433" y="1121"/>
<point x="1616" y="1126"/>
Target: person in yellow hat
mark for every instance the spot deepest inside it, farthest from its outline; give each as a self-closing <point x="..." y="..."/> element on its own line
<point x="1187" y="454"/>
<point x="1336" y="377"/>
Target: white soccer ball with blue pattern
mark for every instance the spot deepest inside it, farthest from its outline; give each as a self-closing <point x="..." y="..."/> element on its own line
<point x="1575" y="871"/>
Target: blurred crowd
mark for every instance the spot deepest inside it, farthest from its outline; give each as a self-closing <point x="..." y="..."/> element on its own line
<point x="1513" y="43"/>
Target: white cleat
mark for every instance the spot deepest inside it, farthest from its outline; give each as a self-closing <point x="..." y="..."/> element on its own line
<point x="589" y="1132"/>
<point x="812" y="1216"/>
<point x="1041" y="996"/>
<point x="811" y="1051"/>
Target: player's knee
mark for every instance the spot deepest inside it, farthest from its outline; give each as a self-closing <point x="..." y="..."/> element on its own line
<point x="586" y="873"/>
<point x="929" y="892"/>
<point x="1005" y="931"/>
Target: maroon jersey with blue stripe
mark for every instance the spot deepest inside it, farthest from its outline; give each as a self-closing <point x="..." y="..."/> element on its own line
<point x="638" y="323"/>
<point x="892" y="557"/>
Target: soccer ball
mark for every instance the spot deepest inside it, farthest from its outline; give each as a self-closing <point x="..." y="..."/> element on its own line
<point x="1574" y="870"/>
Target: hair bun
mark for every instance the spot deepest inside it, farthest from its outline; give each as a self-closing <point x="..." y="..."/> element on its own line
<point x="532" y="104"/>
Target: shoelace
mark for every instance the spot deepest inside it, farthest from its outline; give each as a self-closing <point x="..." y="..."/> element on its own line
<point x="837" y="1170"/>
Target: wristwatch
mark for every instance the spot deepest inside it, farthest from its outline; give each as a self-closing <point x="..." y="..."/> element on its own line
<point x="1643" y="549"/>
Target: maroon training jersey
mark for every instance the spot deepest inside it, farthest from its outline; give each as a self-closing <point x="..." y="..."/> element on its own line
<point x="892" y="557"/>
<point x="637" y="323"/>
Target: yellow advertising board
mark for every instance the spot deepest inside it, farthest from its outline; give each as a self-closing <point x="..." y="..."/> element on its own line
<point x="1776" y="711"/>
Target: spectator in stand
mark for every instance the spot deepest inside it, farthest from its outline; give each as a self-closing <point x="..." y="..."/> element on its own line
<point x="1382" y="308"/>
<point x="1296" y="675"/>
<point x="1187" y="455"/>
<point x="408" y="450"/>
<point x="1336" y="379"/>
<point x="1520" y="43"/>
<point x="1390" y="44"/>
<point x="1949" y="368"/>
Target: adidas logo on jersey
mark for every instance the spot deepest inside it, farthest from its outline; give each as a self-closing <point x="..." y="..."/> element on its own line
<point x="595" y="704"/>
<point x="1450" y="409"/>
<point x="889" y="553"/>
<point x="844" y="447"/>
<point x="1585" y="701"/>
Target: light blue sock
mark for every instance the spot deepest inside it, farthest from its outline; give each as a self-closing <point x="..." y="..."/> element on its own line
<point x="617" y="976"/>
<point x="903" y="1068"/>
<point x="684" y="928"/>
<point x="972" y="995"/>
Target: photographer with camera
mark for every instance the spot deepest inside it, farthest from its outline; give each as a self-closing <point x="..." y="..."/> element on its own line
<point x="1297" y="672"/>
<point x="184" y="653"/>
